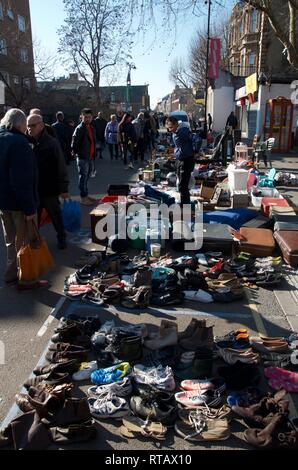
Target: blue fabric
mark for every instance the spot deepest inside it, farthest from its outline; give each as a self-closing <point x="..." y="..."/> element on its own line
<point x="85" y="170"/>
<point x="233" y="217"/>
<point x="72" y="215"/>
<point x="161" y="197"/>
<point x="183" y="142"/>
<point x="18" y="173"/>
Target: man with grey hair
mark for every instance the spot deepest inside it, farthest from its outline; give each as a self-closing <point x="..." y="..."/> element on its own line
<point x="18" y="191"/>
<point x="50" y="130"/>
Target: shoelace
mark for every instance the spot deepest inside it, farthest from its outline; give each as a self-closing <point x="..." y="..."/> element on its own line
<point x="198" y="421"/>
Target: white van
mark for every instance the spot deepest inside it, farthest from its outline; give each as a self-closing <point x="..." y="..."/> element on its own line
<point x="181" y="116"/>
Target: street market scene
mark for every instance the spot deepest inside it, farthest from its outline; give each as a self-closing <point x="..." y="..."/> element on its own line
<point x="149" y="214"/>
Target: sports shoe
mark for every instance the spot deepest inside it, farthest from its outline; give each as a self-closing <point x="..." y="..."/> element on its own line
<point x="159" y="377"/>
<point x="202" y="385"/>
<point x="93" y="174"/>
<point x="111" y="374"/>
<point x="194" y="398"/>
<point x="109" y="406"/>
<point x="120" y="389"/>
<point x="85" y="371"/>
<point x="156" y="410"/>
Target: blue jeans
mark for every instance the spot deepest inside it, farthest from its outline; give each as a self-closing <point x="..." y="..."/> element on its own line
<point x="85" y="170"/>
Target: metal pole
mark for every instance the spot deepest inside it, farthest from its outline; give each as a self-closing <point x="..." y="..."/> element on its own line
<point x="207" y="65"/>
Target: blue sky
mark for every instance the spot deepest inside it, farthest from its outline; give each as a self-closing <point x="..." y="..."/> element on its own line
<point x="152" y="66"/>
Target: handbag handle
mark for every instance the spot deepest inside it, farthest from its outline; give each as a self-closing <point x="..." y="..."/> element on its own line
<point x="24" y="233"/>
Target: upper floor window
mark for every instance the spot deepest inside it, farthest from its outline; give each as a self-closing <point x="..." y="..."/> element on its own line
<point x="252" y="59"/>
<point x="1" y="12"/>
<point x="24" y="56"/>
<point x="10" y="14"/>
<point x="253" y="21"/>
<point x="21" y="23"/>
<point x="3" y="46"/>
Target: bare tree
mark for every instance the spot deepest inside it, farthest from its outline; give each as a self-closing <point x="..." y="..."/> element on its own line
<point x="179" y="73"/>
<point x="96" y="35"/>
<point x="45" y="61"/>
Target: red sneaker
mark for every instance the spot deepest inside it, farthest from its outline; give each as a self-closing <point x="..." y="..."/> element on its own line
<point x="36" y="285"/>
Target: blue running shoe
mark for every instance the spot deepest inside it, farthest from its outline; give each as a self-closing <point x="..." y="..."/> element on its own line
<point x="111" y="374"/>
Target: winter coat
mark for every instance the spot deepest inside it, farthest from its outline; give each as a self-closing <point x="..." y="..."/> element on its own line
<point x="139" y="125"/>
<point x="18" y="173"/>
<point x="52" y="172"/>
<point x="64" y="135"/>
<point x="128" y="133"/>
<point x="111" y="132"/>
<point x="100" y="125"/>
<point x="81" y="142"/>
<point x="183" y="142"/>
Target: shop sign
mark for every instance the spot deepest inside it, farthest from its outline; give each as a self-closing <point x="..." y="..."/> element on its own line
<point x="251" y="84"/>
<point x="240" y="93"/>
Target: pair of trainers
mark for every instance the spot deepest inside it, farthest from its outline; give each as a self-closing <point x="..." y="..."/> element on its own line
<point x="108" y="406"/>
<point x="160" y="377"/>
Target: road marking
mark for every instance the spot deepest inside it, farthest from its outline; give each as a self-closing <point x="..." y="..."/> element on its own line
<point x="262" y="329"/>
<point x="51" y="317"/>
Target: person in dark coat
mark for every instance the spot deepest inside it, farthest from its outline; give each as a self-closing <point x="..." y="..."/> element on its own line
<point x="232" y="121"/>
<point x="84" y="147"/>
<point x="100" y="125"/>
<point x="48" y="128"/>
<point x="182" y="137"/>
<point x="128" y="139"/>
<point x="210" y="122"/>
<point x="52" y="174"/>
<point x="64" y="135"/>
<point x="18" y="192"/>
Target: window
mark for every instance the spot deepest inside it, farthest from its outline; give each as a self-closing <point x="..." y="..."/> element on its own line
<point x="21" y="23"/>
<point x="252" y="59"/>
<point x="253" y="21"/>
<point x="1" y="12"/>
<point x="24" y="56"/>
<point x="3" y="47"/>
<point x="10" y="14"/>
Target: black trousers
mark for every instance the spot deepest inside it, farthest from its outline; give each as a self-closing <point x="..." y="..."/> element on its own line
<point x="52" y="205"/>
<point x="111" y="150"/>
<point x="184" y="170"/>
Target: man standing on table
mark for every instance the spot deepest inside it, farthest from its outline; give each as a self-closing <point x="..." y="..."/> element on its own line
<point x="182" y="138"/>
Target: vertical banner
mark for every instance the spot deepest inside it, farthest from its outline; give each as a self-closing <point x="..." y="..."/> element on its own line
<point x="214" y="58"/>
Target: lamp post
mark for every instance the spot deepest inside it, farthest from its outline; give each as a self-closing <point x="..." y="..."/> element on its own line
<point x="128" y="85"/>
<point x="207" y="65"/>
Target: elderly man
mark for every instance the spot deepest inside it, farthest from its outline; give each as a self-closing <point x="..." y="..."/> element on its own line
<point x="52" y="174"/>
<point x="50" y="130"/>
<point x="18" y="191"/>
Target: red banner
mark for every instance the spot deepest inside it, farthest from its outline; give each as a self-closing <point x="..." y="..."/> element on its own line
<point x="214" y="58"/>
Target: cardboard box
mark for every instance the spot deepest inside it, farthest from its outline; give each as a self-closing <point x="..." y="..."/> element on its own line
<point x="239" y="200"/>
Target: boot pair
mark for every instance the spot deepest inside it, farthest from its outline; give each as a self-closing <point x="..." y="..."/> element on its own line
<point x="276" y="434"/>
<point x="43" y="398"/>
<point x="197" y="335"/>
<point x="167" y="336"/>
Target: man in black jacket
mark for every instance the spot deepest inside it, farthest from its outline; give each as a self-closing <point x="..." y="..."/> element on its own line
<point x="52" y="174"/>
<point x="84" y="147"/>
<point x="64" y="135"/>
<point x="18" y="191"/>
<point x="100" y="125"/>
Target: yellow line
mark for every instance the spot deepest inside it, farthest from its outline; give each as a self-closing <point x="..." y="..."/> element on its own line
<point x="262" y="329"/>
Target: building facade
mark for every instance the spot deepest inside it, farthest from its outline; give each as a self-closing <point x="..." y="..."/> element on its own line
<point x="16" y="51"/>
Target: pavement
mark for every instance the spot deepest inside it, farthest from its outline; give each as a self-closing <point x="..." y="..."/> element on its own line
<point x="27" y="321"/>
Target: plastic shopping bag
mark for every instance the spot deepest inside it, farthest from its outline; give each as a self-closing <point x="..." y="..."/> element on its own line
<point x="72" y="215"/>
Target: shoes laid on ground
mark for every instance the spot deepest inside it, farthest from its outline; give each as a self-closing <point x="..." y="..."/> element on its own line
<point x="198" y="296"/>
<point x="239" y="375"/>
<point x="191" y="327"/>
<point x="74" y="433"/>
<point x="109" y="406"/>
<point x="239" y="341"/>
<point x="53" y="378"/>
<point x="140" y="300"/>
<point x="200" y="368"/>
<point x="202" y="336"/>
<point x="168" y="336"/>
<point x="203" y="385"/>
<point x="159" y="411"/>
<point x="111" y="374"/>
<point x="85" y="371"/>
<point x="232" y="356"/>
<point x="224" y="412"/>
<point x="203" y="429"/>
<point x="159" y="377"/>
<point x="269" y="345"/>
<point x="192" y="399"/>
<point x="69" y="366"/>
<point x="121" y="389"/>
<point x="133" y="426"/>
<point x="246" y="397"/>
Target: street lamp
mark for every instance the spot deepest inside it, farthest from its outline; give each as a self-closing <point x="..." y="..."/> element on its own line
<point x="131" y="66"/>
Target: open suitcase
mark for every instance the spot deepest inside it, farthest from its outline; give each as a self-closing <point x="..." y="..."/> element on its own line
<point x="257" y="241"/>
<point x="288" y="243"/>
<point x="216" y="237"/>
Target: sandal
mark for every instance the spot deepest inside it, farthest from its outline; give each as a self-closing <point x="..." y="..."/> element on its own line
<point x="132" y="426"/>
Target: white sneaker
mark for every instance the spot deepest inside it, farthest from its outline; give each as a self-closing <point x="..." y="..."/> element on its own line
<point x="85" y="370"/>
<point x="108" y="407"/>
<point x="119" y="389"/>
<point x="131" y="166"/>
<point x="93" y="174"/>
<point x="198" y="296"/>
<point x="159" y="377"/>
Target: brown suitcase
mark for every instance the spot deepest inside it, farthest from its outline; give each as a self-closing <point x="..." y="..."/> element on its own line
<point x="288" y="243"/>
<point x="257" y="241"/>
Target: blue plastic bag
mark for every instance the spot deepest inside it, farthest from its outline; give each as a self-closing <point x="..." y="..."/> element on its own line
<point x="72" y="215"/>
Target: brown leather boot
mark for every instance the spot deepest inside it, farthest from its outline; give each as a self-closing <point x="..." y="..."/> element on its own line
<point x="201" y="337"/>
<point x="262" y="413"/>
<point x="264" y="438"/>
<point x="191" y="327"/>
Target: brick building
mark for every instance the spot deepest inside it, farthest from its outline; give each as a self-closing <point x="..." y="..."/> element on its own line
<point x="16" y="52"/>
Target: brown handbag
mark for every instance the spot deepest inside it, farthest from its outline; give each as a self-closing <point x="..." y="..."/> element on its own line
<point x="34" y="257"/>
